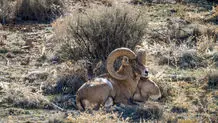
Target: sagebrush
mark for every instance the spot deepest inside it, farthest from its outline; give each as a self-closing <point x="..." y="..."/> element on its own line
<point x="96" y="33"/>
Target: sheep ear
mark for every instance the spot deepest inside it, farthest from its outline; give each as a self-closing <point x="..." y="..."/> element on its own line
<point x="125" y="61"/>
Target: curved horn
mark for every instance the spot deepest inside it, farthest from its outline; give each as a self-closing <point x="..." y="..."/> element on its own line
<point x="113" y="56"/>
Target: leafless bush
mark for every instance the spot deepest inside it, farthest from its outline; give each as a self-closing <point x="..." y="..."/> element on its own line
<point x="67" y="84"/>
<point x="68" y="81"/>
<point x="178" y="56"/>
<point x="39" y="10"/>
<point x="96" y="33"/>
<point x="7" y="10"/>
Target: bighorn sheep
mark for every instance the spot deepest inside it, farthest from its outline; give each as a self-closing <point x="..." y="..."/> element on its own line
<point x="146" y="88"/>
<point x="115" y="86"/>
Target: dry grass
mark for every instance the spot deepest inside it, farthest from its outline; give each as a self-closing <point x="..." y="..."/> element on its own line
<point x="23" y="97"/>
<point x="95" y="116"/>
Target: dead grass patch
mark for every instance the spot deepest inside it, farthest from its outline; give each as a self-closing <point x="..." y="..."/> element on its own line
<point x="95" y="116"/>
<point x="23" y="97"/>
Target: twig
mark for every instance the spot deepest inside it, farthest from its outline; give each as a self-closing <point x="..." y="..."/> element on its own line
<point x="58" y="107"/>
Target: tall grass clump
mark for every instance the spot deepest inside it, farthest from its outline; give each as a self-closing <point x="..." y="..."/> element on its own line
<point x="94" y="34"/>
<point x="7" y="10"/>
<point x="12" y="11"/>
<point x="39" y="10"/>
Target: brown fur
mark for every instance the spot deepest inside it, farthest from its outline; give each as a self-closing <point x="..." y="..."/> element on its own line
<point x="93" y="93"/>
<point x="146" y="88"/>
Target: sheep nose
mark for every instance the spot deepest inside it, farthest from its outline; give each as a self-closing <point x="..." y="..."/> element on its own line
<point x="146" y="72"/>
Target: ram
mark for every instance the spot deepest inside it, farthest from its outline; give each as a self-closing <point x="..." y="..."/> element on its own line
<point x="146" y="88"/>
<point x="114" y="86"/>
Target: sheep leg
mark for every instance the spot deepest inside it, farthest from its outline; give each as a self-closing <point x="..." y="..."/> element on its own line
<point x="86" y="104"/>
<point x="79" y="104"/>
<point x="108" y="102"/>
<point x="138" y="97"/>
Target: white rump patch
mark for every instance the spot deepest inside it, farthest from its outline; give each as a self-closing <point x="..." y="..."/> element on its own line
<point x="105" y="81"/>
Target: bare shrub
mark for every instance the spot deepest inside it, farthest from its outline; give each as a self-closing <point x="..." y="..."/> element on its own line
<point x="68" y="80"/>
<point x="39" y="10"/>
<point x="96" y="33"/>
<point x="69" y="84"/>
<point x="180" y="56"/>
<point x="191" y="60"/>
<point x="7" y="10"/>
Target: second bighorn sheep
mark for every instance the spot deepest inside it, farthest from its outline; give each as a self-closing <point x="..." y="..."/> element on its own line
<point x="115" y="86"/>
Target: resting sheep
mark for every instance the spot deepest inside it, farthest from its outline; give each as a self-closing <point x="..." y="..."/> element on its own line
<point x="115" y="86"/>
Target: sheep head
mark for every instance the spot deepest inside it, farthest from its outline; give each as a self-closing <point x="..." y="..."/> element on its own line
<point x="131" y="64"/>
